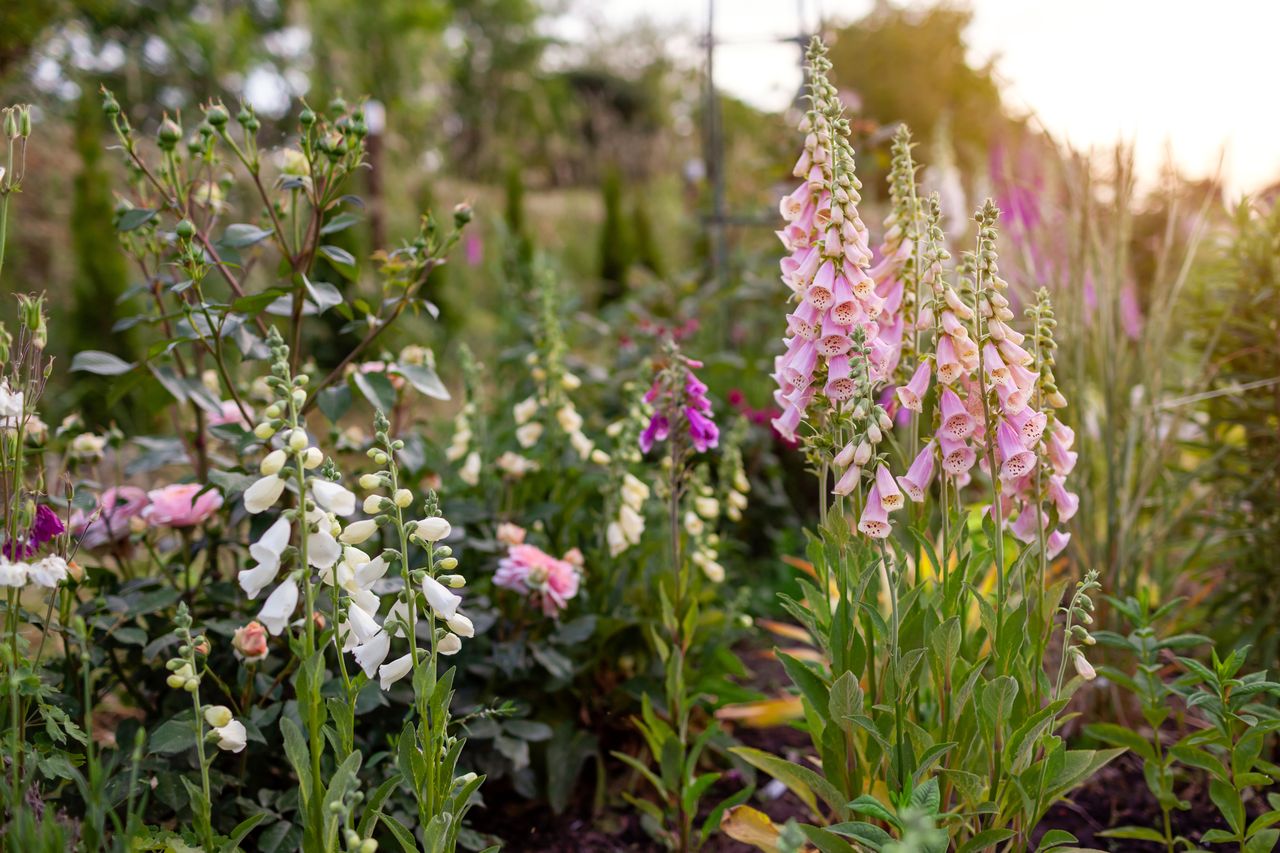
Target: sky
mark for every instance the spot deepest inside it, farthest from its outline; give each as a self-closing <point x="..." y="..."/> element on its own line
<point x="1189" y="78"/>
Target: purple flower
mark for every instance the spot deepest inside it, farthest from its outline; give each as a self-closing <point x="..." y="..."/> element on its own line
<point x="680" y="400"/>
<point x="702" y="430"/>
<point x="45" y="527"/>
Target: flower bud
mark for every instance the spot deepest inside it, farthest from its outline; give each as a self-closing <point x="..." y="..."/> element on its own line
<point x="299" y="397"/>
<point x="403" y="498"/>
<point x="169" y="134"/>
<point x="433" y="529"/>
<point x="264" y="431"/>
<point x="358" y="532"/>
<point x="312" y="458"/>
<point x="217" y="715"/>
<point x="217" y="115"/>
<point x="862" y="455"/>
<point x="452" y="581"/>
<point x="372" y="504"/>
<point x="369" y="482"/>
<point x="272" y="463"/>
<point x="448" y="564"/>
<point x="298" y="440"/>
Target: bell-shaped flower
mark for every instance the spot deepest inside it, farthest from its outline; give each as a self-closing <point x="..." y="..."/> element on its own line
<point x="266" y="551"/>
<point x="390" y="673"/>
<point x="278" y="609"/>
<point x="848" y="480"/>
<point x="874" y="521"/>
<point x="911" y="395"/>
<point x="367" y="573"/>
<point x="358" y="532"/>
<point x="232" y="737"/>
<point x="442" y="600"/>
<point x="890" y="496"/>
<point x="957" y="423"/>
<point x="333" y="497"/>
<point x="916" y="481"/>
<point x="957" y="457"/>
<point x="263" y="494"/>
<point x="461" y="625"/>
<point x="1066" y="502"/>
<point x="370" y="655"/>
<point x="323" y="549"/>
<point x="362" y="623"/>
<point x="1015" y="460"/>
<point x="432" y="529"/>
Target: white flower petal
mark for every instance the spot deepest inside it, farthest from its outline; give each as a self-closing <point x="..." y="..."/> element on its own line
<point x="442" y="601"/>
<point x="333" y="497"/>
<point x="263" y="494"/>
<point x="390" y="673"/>
<point x="371" y="654"/>
<point x="278" y="608"/>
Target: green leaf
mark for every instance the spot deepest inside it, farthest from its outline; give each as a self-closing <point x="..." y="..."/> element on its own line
<point x="342" y="260"/>
<point x="242" y="829"/>
<point x="530" y="730"/>
<point x="1134" y="833"/>
<point x="987" y="839"/>
<point x="648" y="774"/>
<point x="423" y="379"/>
<point x="323" y="294"/>
<point x="242" y="235"/>
<point x="801" y="781"/>
<point x="377" y="389"/>
<point x="299" y="755"/>
<point x="1120" y="736"/>
<point x="334" y="402"/>
<point x="869" y="805"/>
<point x="1263" y="842"/>
<point x="101" y="363"/>
<point x="175" y="735"/>
<point x="402" y="835"/>
<point x="1228" y="801"/>
<point x="1055" y="838"/>
<point x="135" y="218"/>
<point x="341" y="222"/>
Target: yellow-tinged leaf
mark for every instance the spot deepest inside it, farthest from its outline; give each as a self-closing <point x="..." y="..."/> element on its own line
<point x="799" y="653"/>
<point x="803" y="565"/>
<point x="785" y="629"/>
<point x="745" y="824"/>
<point x="764" y="713"/>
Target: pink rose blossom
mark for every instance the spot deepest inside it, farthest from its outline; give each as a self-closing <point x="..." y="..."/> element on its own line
<point x="181" y="505"/>
<point x="530" y="571"/>
<point x="117" y="506"/>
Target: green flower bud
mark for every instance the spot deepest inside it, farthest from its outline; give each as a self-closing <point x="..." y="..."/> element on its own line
<point x="217" y="115"/>
<point x="169" y="134"/>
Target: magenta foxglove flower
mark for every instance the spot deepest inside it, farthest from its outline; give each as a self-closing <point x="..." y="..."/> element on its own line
<point x="916" y="481"/>
<point x="875" y="519"/>
<point x="44" y="527"/>
<point x="680" y="401"/>
<point x="1014" y="458"/>
<point x="911" y="395"/>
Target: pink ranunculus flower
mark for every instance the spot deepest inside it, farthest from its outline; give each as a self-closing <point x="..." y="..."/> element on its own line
<point x="181" y="505"/>
<point x="117" y="506"/>
<point x="532" y="572"/>
<point x="230" y="414"/>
